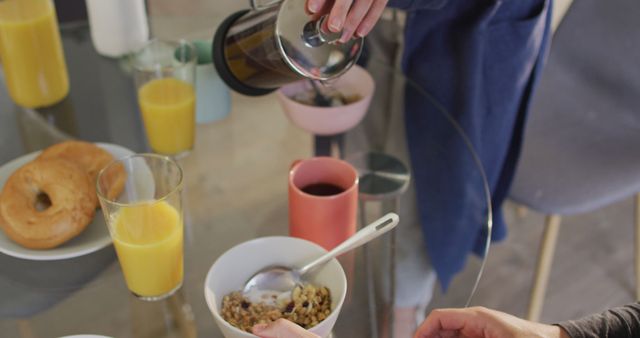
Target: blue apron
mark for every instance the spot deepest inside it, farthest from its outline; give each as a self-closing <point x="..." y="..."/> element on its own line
<point x="480" y="59"/>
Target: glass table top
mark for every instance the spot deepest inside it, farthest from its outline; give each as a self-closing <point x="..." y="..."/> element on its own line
<point x="235" y="190"/>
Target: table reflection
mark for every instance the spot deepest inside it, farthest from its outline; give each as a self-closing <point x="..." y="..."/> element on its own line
<point x="28" y="288"/>
<point x="170" y="317"/>
<point x="40" y="128"/>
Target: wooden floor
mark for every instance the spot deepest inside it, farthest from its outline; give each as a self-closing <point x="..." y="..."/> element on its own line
<point x="592" y="270"/>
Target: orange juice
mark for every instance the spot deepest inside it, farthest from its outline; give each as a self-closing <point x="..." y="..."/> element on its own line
<point x="148" y="241"/>
<point x="168" y="112"/>
<point x="31" y="53"/>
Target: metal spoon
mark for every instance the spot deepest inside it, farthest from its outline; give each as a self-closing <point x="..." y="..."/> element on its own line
<point x="282" y="278"/>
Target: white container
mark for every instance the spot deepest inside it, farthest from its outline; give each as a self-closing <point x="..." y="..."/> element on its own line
<point x="118" y="27"/>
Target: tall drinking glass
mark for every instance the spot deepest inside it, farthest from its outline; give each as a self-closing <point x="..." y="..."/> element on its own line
<point x="164" y="74"/>
<point x="35" y="72"/>
<point x="141" y="200"/>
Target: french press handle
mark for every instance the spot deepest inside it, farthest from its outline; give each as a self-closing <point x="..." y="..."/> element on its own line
<point x="262" y="4"/>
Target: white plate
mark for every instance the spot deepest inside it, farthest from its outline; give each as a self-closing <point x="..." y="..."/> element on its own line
<point x="93" y="238"/>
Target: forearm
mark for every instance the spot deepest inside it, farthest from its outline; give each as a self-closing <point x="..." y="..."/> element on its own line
<point x="615" y="323"/>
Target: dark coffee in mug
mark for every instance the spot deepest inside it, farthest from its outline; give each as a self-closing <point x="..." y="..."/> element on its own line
<point x="323" y="200"/>
<point x="322" y="189"/>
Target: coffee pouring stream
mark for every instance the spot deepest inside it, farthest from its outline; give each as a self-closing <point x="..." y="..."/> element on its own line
<point x="257" y="51"/>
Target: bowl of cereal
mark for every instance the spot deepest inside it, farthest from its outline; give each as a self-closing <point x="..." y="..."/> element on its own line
<point x="314" y="305"/>
<point x="349" y="96"/>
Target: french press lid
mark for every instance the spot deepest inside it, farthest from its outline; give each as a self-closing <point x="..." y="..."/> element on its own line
<point x="310" y="50"/>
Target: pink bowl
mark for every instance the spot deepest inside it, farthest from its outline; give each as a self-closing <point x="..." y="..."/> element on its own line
<point x="330" y="120"/>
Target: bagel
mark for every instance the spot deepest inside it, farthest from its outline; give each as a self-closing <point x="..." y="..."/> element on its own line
<point x="92" y="159"/>
<point x="46" y="202"/>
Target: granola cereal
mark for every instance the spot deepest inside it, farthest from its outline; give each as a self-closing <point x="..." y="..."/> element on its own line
<point x="307" y="306"/>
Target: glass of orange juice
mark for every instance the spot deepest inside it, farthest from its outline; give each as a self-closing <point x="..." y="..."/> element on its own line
<point x="31" y="53"/>
<point x="164" y="73"/>
<point x="141" y="199"/>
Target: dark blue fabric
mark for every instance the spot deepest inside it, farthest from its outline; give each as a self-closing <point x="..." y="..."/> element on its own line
<point x="412" y="5"/>
<point x="480" y="59"/>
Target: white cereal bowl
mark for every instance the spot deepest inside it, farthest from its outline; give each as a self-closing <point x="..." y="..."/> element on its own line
<point x="231" y="270"/>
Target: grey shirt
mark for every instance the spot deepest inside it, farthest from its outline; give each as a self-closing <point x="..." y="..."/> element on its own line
<point x="614" y="323"/>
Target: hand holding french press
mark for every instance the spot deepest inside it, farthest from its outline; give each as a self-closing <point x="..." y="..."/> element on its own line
<point x="352" y="17"/>
<point x="277" y="42"/>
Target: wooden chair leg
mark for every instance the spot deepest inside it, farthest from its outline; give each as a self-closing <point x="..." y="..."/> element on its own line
<point x="637" y="258"/>
<point x="24" y="329"/>
<point x="545" y="259"/>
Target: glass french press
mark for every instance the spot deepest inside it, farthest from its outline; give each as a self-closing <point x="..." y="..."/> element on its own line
<point x="276" y="42"/>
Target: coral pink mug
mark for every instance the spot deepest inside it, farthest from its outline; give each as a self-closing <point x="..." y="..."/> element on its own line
<point x="323" y="200"/>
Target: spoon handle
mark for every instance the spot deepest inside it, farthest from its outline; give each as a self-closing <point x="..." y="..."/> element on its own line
<point x="366" y="234"/>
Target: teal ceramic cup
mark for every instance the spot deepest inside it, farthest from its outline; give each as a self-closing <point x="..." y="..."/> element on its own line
<point x="213" y="100"/>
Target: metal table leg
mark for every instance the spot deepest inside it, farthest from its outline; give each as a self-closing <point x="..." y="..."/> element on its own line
<point x="383" y="179"/>
<point x="329" y="145"/>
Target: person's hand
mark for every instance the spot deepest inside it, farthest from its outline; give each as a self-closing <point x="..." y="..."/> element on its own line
<point x="281" y="328"/>
<point x="352" y="17"/>
<point x="479" y="322"/>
